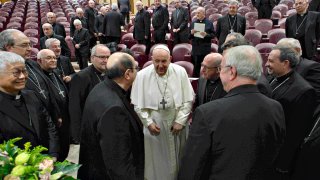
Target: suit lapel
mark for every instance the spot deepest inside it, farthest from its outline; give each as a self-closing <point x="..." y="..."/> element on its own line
<point x="202" y="90"/>
<point x="308" y="22"/>
<point x="218" y="92"/>
<point x="32" y="112"/>
<point x="282" y="89"/>
<point x="7" y="108"/>
<point x="238" y="23"/>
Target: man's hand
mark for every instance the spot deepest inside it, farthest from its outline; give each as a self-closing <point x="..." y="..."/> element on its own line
<point x="193" y="31"/>
<point x="203" y="34"/>
<point x="59" y="122"/>
<point x="66" y="79"/>
<point x="176" y="128"/>
<point x="145" y="37"/>
<point x="154" y="129"/>
<point x="77" y="46"/>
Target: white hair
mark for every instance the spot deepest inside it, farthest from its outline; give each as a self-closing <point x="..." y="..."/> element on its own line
<point x="9" y="58"/>
<point x="76" y="22"/>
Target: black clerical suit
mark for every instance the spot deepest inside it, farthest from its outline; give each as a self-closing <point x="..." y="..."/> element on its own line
<point x="112" y="26"/>
<point x="227" y="24"/>
<point x="80" y="86"/>
<point x="179" y="20"/>
<point x="142" y="27"/>
<point x="314" y="5"/>
<point x="64" y="66"/>
<point x="26" y="117"/>
<point x="297" y="98"/>
<point x="98" y="28"/>
<point x="125" y="8"/>
<point x="57" y="29"/>
<point x="90" y="14"/>
<point x="234" y="137"/>
<point x="306" y="29"/>
<point x="82" y="37"/>
<point x="264" y="7"/>
<point x="160" y="20"/>
<point x="65" y="51"/>
<point x="73" y="28"/>
<point x="112" y="144"/>
<point x="208" y="91"/>
<point x="310" y="71"/>
<point x="201" y="46"/>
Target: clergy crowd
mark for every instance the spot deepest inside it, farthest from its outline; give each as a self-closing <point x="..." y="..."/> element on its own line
<point x="244" y="119"/>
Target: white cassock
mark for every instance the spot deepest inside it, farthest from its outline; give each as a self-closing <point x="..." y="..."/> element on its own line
<point x="162" y="152"/>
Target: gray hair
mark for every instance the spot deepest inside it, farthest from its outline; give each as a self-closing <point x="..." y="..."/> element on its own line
<point x="291" y="43"/>
<point x="236" y="35"/>
<point x="233" y="2"/>
<point x="9" y="58"/>
<point x="40" y="54"/>
<point x="94" y="49"/>
<point x="287" y="53"/>
<point x="79" y="10"/>
<point x="77" y="22"/>
<point x="47" y="25"/>
<point x="246" y="59"/>
<point x="114" y="6"/>
<point x="50" y="41"/>
<point x="7" y="39"/>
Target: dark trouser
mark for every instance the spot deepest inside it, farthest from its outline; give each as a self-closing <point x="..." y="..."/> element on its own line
<point x="113" y="39"/>
<point x="197" y="60"/>
<point x="82" y="60"/>
<point x="102" y="39"/>
<point x="126" y="17"/>
<point x="93" y="42"/>
<point x="180" y="37"/>
<point x="159" y="36"/>
<point x="64" y="133"/>
<point x="265" y="11"/>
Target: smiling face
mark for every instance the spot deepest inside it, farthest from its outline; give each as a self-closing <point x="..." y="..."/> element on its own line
<point x="274" y="66"/>
<point x="48" y="60"/>
<point x="13" y="78"/>
<point x="161" y="60"/>
<point x="22" y="45"/>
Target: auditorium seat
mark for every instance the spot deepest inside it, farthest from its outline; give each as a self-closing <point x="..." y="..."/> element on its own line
<point x="243" y="10"/>
<point x="254" y="36"/>
<point x="62" y="19"/>
<point x="17" y="14"/>
<point x="214" y="48"/>
<point x="148" y="63"/>
<point x="31" y="33"/>
<point x="282" y="23"/>
<point x="33" y="54"/>
<point x="214" y="17"/>
<point x="182" y="52"/>
<point x="251" y="17"/>
<point x="14" y="25"/>
<point x="128" y="40"/>
<point x="32" y="19"/>
<point x="35" y="42"/>
<point x="71" y="47"/>
<point x="263" y="25"/>
<point x="4" y="14"/>
<point x="275" y="35"/>
<point x="188" y="66"/>
<point x="289" y="3"/>
<point x="283" y="8"/>
<point x="211" y="11"/>
<point x="139" y="48"/>
<point x="264" y="49"/>
<point x="276" y="14"/>
<point x="291" y="12"/>
<point x="16" y="19"/>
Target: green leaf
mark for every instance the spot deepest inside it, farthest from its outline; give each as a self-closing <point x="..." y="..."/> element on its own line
<point x="65" y="167"/>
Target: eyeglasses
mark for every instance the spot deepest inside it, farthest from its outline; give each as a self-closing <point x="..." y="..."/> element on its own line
<point x="227" y="66"/>
<point x="136" y="68"/>
<point x="207" y="67"/>
<point x="25" y="45"/>
<point x="101" y="57"/>
<point x="16" y="73"/>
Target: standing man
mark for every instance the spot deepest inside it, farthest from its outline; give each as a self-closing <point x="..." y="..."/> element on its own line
<point x="21" y="112"/>
<point x="112" y="25"/>
<point x="264" y="7"/>
<point x="49" y="33"/>
<point x="179" y="23"/>
<point x="314" y="5"/>
<point x="162" y="96"/>
<point x="141" y="31"/>
<point x="98" y="25"/>
<point x="57" y="27"/>
<point x="58" y="91"/>
<point x="125" y="8"/>
<point x="226" y="140"/>
<point x="112" y="137"/>
<point x="209" y="85"/>
<point x="230" y="23"/>
<point x="160" y="20"/>
<point x="80" y="16"/>
<point x="64" y="66"/>
<point x="304" y="26"/>
<point x="297" y="98"/>
<point x="81" y="42"/>
<point x="81" y="85"/>
<point x="90" y="14"/>
<point x="201" y="41"/>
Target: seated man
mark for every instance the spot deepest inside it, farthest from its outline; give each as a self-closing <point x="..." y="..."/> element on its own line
<point x="22" y="114"/>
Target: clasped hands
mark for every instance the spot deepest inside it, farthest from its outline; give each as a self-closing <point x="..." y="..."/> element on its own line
<point x="201" y="33"/>
<point x="154" y="129"/>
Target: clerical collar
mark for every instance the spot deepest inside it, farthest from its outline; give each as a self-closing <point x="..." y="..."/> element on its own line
<point x="212" y="81"/>
<point x="232" y="16"/>
<point x="284" y="77"/>
<point x="304" y="14"/>
<point x="10" y="96"/>
<point x="97" y="72"/>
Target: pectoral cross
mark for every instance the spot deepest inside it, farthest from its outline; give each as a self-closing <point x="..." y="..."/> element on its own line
<point x="163" y="102"/>
<point x="61" y="93"/>
<point x="42" y="93"/>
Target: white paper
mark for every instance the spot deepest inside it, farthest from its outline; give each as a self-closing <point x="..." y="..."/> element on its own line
<point x="199" y="27"/>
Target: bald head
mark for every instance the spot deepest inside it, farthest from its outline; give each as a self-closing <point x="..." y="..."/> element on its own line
<point x="91" y="3"/>
<point x="47" y="29"/>
<point x="201" y="13"/>
<point x="139" y="5"/>
<point x="211" y="65"/>
<point x="118" y="63"/>
<point x="51" y="17"/>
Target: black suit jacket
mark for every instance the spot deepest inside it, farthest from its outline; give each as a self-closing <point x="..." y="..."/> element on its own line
<point x="13" y="124"/>
<point x="297" y="98"/>
<point x="314" y="5"/>
<point x="57" y="29"/>
<point x="65" y="51"/>
<point x="112" y="144"/>
<point x="90" y="14"/>
<point x="200" y="95"/>
<point x="312" y="35"/>
<point x="98" y="24"/>
<point x="80" y="86"/>
<point x="234" y="137"/>
<point x="202" y="46"/>
<point x="82" y="37"/>
<point x="124" y="6"/>
<point x="73" y="28"/>
<point x="310" y="71"/>
<point x="258" y="4"/>
<point x="142" y="25"/>
<point x="112" y="24"/>
<point x="223" y="27"/>
<point x="64" y="66"/>
<point x="180" y="22"/>
<point x="160" y="19"/>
